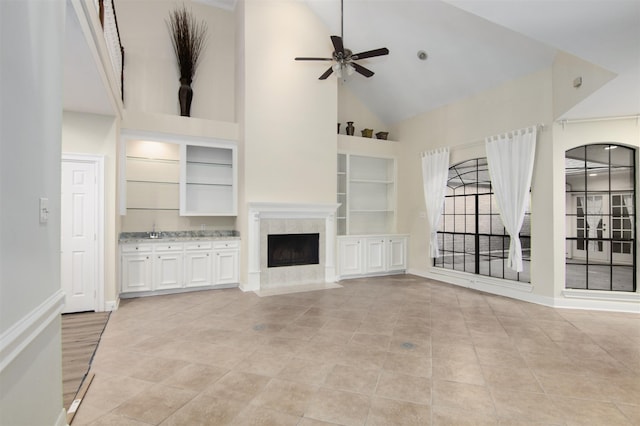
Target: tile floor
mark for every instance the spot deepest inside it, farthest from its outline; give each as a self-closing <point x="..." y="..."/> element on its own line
<point x="384" y="351"/>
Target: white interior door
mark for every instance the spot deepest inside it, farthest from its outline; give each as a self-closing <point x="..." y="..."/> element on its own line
<point x="79" y="239"/>
<point x="592" y="222"/>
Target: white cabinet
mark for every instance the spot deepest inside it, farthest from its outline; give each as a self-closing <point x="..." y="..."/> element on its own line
<point x="366" y="190"/>
<point x="170" y="266"/>
<point x="137" y="268"/>
<point x="167" y="266"/>
<point x="208" y="180"/>
<point x="376" y="260"/>
<point x="371" y="255"/>
<point x="350" y="256"/>
<point x="198" y="264"/>
<point x="396" y="254"/>
<point x="226" y="255"/>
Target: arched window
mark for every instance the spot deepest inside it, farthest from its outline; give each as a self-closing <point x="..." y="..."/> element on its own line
<point x="471" y="237"/>
<point x="600" y="218"/>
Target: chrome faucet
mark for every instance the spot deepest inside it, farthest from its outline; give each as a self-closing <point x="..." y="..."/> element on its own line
<point x="153" y="234"/>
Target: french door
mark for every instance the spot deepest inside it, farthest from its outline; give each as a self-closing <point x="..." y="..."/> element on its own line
<point x="603" y="228"/>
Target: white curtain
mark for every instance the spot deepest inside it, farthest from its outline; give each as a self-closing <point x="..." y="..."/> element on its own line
<point x="510" y="159"/>
<point x="594" y="216"/>
<point x="435" y="171"/>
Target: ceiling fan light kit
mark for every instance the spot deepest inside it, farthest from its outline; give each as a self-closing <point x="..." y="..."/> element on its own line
<point x="344" y="58"/>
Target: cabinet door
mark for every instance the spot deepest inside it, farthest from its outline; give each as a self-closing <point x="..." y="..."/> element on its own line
<point x="199" y="269"/>
<point x="226" y="267"/>
<point x="136" y="272"/>
<point x="376" y="255"/>
<point x="168" y="271"/>
<point x="350" y="257"/>
<point x="397" y="254"/>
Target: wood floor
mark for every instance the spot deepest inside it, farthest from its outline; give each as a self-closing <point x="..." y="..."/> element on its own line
<point x="80" y="337"/>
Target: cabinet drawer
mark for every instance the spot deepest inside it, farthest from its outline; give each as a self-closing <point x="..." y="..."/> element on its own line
<point x="226" y="244"/>
<point x="199" y="245"/>
<point x="169" y="247"/>
<point x="136" y="248"/>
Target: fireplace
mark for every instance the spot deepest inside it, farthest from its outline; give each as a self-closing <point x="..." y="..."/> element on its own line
<point x="269" y="219"/>
<point x="293" y="250"/>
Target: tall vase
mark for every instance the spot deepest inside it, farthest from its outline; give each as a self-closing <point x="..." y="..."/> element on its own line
<point x="350" y="129"/>
<point x="185" y="95"/>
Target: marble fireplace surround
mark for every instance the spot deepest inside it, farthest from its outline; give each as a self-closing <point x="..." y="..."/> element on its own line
<point x="289" y="218"/>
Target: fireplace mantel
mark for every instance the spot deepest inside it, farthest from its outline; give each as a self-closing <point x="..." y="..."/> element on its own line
<point x="263" y="210"/>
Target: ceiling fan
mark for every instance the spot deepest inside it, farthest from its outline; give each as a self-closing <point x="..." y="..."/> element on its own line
<point x="345" y="58"/>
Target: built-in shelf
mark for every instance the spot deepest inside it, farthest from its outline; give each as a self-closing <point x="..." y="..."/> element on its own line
<point x="192" y="176"/>
<point x="208" y="183"/>
<point x="366" y="190"/>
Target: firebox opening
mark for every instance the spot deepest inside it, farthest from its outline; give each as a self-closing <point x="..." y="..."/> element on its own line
<point x="293" y="250"/>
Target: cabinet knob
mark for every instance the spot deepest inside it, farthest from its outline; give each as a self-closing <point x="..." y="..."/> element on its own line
<point x="169" y="246"/>
<point x="147" y="257"/>
<point x="136" y="247"/>
<point x="207" y="254"/>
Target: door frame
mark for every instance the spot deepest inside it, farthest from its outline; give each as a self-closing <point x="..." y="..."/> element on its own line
<point x="98" y="162"/>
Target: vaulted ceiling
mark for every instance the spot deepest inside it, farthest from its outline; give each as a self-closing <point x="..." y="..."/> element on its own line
<point x="472" y="45"/>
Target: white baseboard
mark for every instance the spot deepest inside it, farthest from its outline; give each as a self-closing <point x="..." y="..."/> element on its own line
<point x="571" y="299"/>
<point x="62" y="419"/>
<point x="112" y="305"/>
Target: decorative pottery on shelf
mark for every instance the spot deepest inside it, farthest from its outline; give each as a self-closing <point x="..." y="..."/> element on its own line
<point x="382" y="135"/>
<point x="350" y="129"/>
<point x="367" y="133"/>
<point x="188" y="37"/>
<point x="185" y="96"/>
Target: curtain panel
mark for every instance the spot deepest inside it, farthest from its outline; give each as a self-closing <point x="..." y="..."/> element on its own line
<point x="435" y="172"/>
<point x="510" y="158"/>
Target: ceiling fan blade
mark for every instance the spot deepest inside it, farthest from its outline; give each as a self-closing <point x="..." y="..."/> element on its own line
<point x="337" y="44"/>
<point x="370" y="53"/>
<point x="313" y="59"/>
<point x="326" y="74"/>
<point x="362" y="70"/>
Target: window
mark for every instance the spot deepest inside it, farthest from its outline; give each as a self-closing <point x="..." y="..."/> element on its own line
<point x="600" y="206"/>
<point x="471" y="236"/>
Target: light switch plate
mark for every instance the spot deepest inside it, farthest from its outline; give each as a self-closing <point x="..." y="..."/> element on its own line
<point x="44" y="210"/>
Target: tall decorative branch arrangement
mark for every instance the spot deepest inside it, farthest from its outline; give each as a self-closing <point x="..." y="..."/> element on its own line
<point x="189" y="37"/>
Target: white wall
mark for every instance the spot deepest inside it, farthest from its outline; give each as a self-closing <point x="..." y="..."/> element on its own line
<point x="151" y="78"/>
<point x="350" y="108"/>
<point x="95" y="134"/>
<point x="32" y="35"/>
<point x="289" y="117"/>
<point x="463" y="126"/>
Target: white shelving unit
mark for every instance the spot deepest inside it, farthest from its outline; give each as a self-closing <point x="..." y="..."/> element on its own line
<point x="207" y="184"/>
<point x="181" y="175"/>
<point x="366" y="189"/>
<point x="152" y="176"/>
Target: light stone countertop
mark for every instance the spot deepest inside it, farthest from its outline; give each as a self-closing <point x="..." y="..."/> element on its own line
<point x="168" y="236"/>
